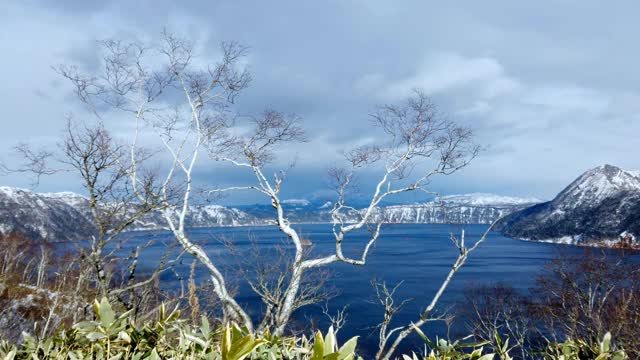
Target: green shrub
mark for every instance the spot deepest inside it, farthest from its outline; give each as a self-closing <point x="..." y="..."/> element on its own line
<point x="580" y="349"/>
<point x="116" y="337"/>
<point x="454" y="350"/>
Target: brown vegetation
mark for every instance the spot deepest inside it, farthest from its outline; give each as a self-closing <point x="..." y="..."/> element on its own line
<point x="574" y="298"/>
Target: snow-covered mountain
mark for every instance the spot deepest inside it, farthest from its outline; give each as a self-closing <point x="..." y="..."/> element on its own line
<point x="42" y="215"/>
<point x="602" y="206"/>
<point x="66" y="216"/>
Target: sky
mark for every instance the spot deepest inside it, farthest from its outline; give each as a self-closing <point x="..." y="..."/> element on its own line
<point x="550" y="88"/>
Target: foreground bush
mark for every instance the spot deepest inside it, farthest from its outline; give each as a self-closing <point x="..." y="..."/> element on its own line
<point x="169" y="337"/>
<point x="113" y="337"/>
<point x="579" y="349"/>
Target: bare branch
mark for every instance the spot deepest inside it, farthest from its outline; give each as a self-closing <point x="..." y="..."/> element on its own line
<point x="35" y="162"/>
<point x="385" y="352"/>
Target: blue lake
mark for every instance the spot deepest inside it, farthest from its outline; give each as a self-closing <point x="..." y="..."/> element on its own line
<point x="419" y="256"/>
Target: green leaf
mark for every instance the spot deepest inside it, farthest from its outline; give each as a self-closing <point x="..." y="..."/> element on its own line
<point x="348" y="348"/>
<point x="95" y="336"/>
<point x="605" y="345"/>
<point x="105" y="313"/>
<point x="330" y="342"/>
<point x="236" y="333"/>
<point x="124" y="337"/>
<point x="195" y="339"/>
<point x="620" y="355"/>
<point x="161" y="312"/>
<point x="10" y="355"/>
<point x="423" y="336"/>
<point x="487" y="357"/>
<point x="205" y="328"/>
<point x="153" y="356"/>
<point x="318" y="347"/>
<point x="84" y="325"/>
<point x="226" y="341"/>
<point x="240" y="349"/>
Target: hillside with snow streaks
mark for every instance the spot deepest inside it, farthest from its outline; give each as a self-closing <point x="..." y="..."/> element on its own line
<point x="46" y="216"/>
<point x="66" y="216"/>
<point x="434" y="213"/>
<point x="602" y="206"/>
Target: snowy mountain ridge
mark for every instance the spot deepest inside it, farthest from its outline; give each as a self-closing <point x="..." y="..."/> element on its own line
<point x="487" y="199"/>
<point x="65" y="215"/>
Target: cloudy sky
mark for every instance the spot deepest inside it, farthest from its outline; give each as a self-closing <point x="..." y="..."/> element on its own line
<point x="551" y="88"/>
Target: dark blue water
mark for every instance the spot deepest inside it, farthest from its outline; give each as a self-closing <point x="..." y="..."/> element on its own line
<point x="419" y="256"/>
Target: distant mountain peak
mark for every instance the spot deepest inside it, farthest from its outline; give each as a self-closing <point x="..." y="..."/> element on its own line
<point x="600" y="205"/>
<point x="597" y="184"/>
<point x="612" y="172"/>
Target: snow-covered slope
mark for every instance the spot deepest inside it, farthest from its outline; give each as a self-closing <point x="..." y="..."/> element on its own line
<point x="598" y="206"/>
<point x="438" y="213"/>
<point x="52" y="216"/>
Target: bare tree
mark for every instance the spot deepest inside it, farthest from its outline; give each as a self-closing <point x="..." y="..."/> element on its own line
<point x="418" y="138"/>
<point x="102" y="165"/>
<point x="162" y="89"/>
<point x="189" y="110"/>
<point x="113" y="207"/>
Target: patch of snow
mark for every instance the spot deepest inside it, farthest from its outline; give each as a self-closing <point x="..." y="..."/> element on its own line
<point x="14" y="193"/>
<point x="487" y="199"/>
<point x="635" y="173"/>
<point x="296" y="202"/>
<point x="566" y="240"/>
<point x="61" y="194"/>
<point x="326" y="205"/>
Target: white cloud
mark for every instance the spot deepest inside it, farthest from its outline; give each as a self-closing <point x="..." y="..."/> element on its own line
<point x="445" y="72"/>
<point x="530" y="92"/>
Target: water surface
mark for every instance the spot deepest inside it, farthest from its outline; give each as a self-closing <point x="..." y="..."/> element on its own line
<point x="418" y="255"/>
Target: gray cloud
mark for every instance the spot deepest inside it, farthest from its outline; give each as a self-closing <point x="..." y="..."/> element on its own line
<point x="550" y="88"/>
